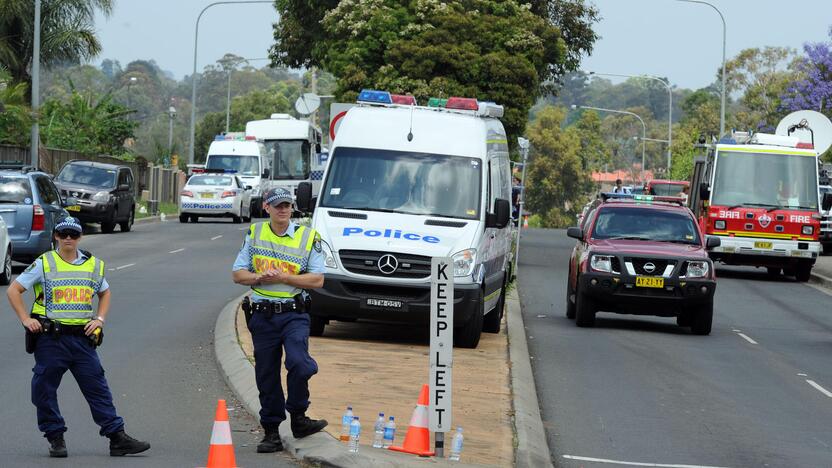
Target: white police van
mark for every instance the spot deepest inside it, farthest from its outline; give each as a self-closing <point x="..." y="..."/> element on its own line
<point x="246" y="157"/>
<point x="406" y="183"/>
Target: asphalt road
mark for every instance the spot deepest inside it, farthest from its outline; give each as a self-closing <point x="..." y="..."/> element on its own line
<point x="169" y="283"/>
<point x="640" y="390"/>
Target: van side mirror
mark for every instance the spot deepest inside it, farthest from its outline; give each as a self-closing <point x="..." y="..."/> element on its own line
<point x="713" y="242"/>
<point x="303" y="197"/>
<point x="249" y="187"/>
<point x="265" y="173"/>
<point x="501" y="216"/>
<point x="575" y="233"/>
<point x="826" y="204"/>
<point x="704" y="192"/>
<point x="317" y="148"/>
<point x="124" y="187"/>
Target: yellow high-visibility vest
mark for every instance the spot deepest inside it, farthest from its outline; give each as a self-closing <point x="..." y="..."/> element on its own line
<point x="67" y="290"/>
<point x="269" y="251"/>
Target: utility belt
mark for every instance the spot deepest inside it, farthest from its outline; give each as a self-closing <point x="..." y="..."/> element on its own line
<point x="56" y="329"/>
<point x="270" y="308"/>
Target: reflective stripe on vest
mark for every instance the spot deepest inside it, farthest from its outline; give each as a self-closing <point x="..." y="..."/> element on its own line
<point x="67" y="290"/>
<point x="269" y="251"/>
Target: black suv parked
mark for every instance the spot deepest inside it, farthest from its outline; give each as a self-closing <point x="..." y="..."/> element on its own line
<point x="105" y="193"/>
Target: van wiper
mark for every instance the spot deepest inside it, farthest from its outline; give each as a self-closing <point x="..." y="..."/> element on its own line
<point x="15" y="202"/>
<point x="365" y="208"/>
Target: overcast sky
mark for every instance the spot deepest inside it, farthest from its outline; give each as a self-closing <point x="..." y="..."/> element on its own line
<point x="681" y="41"/>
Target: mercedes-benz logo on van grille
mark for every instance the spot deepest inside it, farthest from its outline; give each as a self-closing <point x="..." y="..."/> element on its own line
<point x="649" y="267"/>
<point x="388" y="264"/>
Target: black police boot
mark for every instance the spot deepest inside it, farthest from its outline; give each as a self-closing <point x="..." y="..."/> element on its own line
<point x="271" y="442"/>
<point x="122" y="444"/>
<point x="302" y="426"/>
<point x="57" y="446"/>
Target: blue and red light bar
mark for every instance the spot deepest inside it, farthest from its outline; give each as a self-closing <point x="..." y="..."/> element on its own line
<point x="460" y="103"/>
<point x="404" y="99"/>
<point x="372" y="96"/>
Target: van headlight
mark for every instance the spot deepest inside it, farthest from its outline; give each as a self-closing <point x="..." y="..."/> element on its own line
<point x="697" y="269"/>
<point x="101" y="197"/>
<point x="464" y="262"/>
<point x="602" y="263"/>
<point x="328" y="255"/>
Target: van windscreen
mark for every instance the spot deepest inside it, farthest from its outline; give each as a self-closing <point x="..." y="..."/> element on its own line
<point x="403" y="182"/>
<point x="244" y="165"/>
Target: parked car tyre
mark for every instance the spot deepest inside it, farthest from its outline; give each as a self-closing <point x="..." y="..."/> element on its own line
<point x="584" y="310"/>
<point x="316" y="325"/>
<point x="108" y="228"/>
<point x="492" y="321"/>
<point x="6" y="274"/>
<point x="127" y="225"/>
<point x="183" y="218"/>
<point x="702" y="319"/>
<point x="570" y="305"/>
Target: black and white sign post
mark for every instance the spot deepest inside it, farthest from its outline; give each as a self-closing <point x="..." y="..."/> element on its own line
<point x="441" y="348"/>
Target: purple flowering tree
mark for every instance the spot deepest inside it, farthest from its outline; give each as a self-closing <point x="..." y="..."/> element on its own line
<point x="814" y="91"/>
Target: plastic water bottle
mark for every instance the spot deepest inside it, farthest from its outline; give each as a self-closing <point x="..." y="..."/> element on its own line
<point x="378" y="428"/>
<point x="389" y="432"/>
<point x="346" y="419"/>
<point x="355" y="434"/>
<point x="456" y="445"/>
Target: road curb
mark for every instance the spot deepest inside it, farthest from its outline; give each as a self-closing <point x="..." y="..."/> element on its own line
<point x="321" y="448"/>
<point x="149" y="219"/>
<point x="532" y="449"/>
<point x="821" y="280"/>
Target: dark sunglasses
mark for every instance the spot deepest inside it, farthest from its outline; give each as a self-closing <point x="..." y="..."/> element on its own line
<point x="70" y="234"/>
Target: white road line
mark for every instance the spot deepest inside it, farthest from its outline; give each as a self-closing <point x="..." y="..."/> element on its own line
<point x="243" y="228"/>
<point x="125" y="266"/>
<point x="746" y="338"/>
<point x="176" y="251"/>
<point x="819" y="388"/>
<point x="801" y="375"/>
<point x="619" y="462"/>
<point x="216" y="237"/>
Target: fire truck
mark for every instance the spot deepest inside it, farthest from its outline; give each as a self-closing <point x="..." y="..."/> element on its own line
<point x="759" y="194"/>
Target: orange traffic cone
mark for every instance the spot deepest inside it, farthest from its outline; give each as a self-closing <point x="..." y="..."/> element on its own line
<point x="417" y="439"/>
<point x="221" y="452"/>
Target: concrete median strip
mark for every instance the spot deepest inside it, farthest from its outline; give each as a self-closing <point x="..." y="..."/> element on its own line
<point x="483" y="399"/>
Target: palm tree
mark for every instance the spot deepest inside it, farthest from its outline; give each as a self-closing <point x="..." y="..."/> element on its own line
<point x="15" y="114"/>
<point x="67" y="33"/>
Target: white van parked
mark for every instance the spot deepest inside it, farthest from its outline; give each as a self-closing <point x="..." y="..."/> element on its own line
<point x="404" y="184"/>
<point x="235" y="152"/>
<point x="294" y="148"/>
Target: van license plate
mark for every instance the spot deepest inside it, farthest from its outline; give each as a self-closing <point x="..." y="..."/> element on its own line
<point x="649" y="282"/>
<point x="762" y="245"/>
<point x="386" y="303"/>
<point x="73" y="208"/>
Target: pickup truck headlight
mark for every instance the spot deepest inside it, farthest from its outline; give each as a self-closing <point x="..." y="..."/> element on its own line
<point x="697" y="269"/>
<point x="808" y="230"/>
<point x="101" y="197"/>
<point x="464" y="262"/>
<point x="602" y="263"/>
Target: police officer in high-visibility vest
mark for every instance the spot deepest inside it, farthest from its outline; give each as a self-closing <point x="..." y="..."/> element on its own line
<point x="63" y="329"/>
<point x="279" y="260"/>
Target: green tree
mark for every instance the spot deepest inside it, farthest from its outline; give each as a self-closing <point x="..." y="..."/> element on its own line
<point x="761" y="76"/>
<point x="593" y="152"/>
<point x="15" y="114"/>
<point x="493" y="50"/>
<point x="87" y="123"/>
<point x="557" y="184"/>
<point x="67" y="33"/>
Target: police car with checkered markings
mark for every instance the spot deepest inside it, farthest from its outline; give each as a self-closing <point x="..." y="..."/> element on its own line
<point x="215" y="194"/>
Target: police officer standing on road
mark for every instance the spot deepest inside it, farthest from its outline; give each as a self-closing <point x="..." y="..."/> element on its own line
<point x="280" y="259"/>
<point x="63" y="332"/>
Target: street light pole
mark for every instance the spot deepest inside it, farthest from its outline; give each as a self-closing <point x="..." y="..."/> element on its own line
<point x="724" y="32"/>
<point x="524" y="148"/>
<point x="171" y="116"/>
<point x="643" y="127"/>
<point x="669" y="106"/>
<point x="194" y="77"/>
<point x="35" y="140"/>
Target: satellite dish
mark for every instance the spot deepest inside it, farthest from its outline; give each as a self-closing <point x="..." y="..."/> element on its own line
<point x="819" y="123"/>
<point x="307" y="103"/>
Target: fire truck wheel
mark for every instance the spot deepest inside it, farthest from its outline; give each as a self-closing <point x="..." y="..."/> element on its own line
<point x="773" y="271"/>
<point x="585" y="310"/>
<point x="803" y="272"/>
<point x="703" y="317"/>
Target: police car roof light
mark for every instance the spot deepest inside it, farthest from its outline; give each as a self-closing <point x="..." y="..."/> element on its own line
<point x="404" y="99"/>
<point x="219" y="138"/>
<point x="251" y="138"/>
<point x="726" y="140"/>
<point x="460" y="103"/>
<point x="372" y="96"/>
<point x="805" y="145"/>
<point x="437" y="102"/>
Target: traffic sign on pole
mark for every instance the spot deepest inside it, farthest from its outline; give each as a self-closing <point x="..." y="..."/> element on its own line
<point x="441" y="344"/>
<point x="337" y="111"/>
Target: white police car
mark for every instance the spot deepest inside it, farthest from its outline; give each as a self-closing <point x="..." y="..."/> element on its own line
<point x="211" y="194"/>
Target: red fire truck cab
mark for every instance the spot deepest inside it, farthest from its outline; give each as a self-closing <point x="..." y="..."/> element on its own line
<point x="759" y="194"/>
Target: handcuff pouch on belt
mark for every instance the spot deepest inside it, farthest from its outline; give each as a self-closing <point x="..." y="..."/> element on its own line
<point x="270" y="308"/>
<point x="247" y="310"/>
<point x="51" y="327"/>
